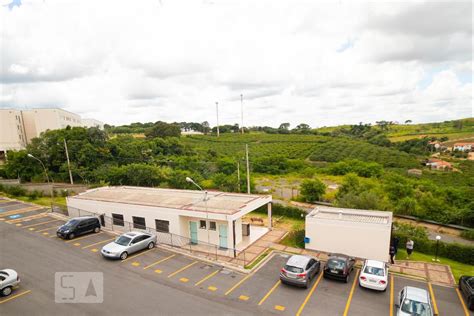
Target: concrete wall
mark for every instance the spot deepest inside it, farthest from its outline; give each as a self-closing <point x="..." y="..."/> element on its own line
<point x="41" y="120"/>
<point x="361" y="240"/>
<point x="12" y="134"/>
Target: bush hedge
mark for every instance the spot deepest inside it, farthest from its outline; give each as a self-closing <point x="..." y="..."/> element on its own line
<point x="454" y="251"/>
<point x="282" y="210"/>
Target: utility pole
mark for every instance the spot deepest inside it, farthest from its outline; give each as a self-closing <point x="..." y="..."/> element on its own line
<point x="248" y="169"/>
<point x="238" y="175"/>
<point x="217" y="112"/>
<point x="68" y="163"/>
<point x="242" y="112"/>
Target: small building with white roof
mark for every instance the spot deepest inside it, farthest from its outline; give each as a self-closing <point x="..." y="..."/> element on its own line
<point x="208" y="218"/>
<point x="358" y="233"/>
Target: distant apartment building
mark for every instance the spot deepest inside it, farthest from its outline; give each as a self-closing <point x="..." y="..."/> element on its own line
<point x="92" y="123"/>
<point x="463" y="146"/>
<point x="19" y="127"/>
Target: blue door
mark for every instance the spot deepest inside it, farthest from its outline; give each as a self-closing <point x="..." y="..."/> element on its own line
<point x="193" y="230"/>
<point x="223" y="236"/>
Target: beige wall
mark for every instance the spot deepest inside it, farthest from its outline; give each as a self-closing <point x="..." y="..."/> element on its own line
<point x="361" y="240"/>
<point x="41" y="120"/>
<point x="12" y="135"/>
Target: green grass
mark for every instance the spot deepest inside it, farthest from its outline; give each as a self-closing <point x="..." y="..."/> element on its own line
<point x="45" y="200"/>
<point x="258" y="260"/>
<point x="457" y="268"/>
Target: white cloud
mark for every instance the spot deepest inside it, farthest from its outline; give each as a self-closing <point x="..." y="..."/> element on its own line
<point x="120" y="61"/>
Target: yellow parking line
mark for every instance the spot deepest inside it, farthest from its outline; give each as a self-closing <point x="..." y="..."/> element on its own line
<point x="141" y="253"/>
<point x="45" y="229"/>
<point x="87" y="236"/>
<point x="269" y="292"/>
<point x="15" y="296"/>
<point x="243" y="298"/>
<point x="212" y="288"/>
<point x="20" y="211"/>
<point x="391" y="295"/>
<point x="207" y="277"/>
<point x="37" y="224"/>
<point x="157" y="262"/>
<point x="466" y="312"/>
<point x="435" y="306"/>
<point x="300" y="310"/>
<point x="98" y="243"/>
<point x="349" y="299"/>
<point x="182" y="269"/>
<point x="279" y="308"/>
<point x="238" y="284"/>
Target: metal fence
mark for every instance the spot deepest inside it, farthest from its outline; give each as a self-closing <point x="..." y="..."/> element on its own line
<point x="201" y="249"/>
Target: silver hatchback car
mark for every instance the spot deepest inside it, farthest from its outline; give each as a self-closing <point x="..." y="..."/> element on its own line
<point x="9" y="280"/>
<point x="299" y="270"/>
<point x="127" y="244"/>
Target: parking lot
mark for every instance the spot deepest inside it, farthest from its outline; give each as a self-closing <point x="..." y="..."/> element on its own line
<point x="162" y="281"/>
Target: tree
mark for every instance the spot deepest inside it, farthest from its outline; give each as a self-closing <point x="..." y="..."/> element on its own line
<point x="408" y="121"/>
<point x="163" y="129"/>
<point x="284" y="126"/>
<point x="312" y="190"/>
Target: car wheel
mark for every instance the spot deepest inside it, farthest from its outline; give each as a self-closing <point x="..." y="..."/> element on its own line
<point x="7" y="291"/>
<point x="151" y="245"/>
<point x="360" y="285"/>
<point x="97" y="229"/>
<point x="124" y="255"/>
<point x="346" y="279"/>
<point x="71" y="236"/>
<point x="384" y="290"/>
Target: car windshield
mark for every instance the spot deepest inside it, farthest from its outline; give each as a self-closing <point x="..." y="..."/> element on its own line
<point x="3" y="275"/>
<point x="71" y="223"/>
<point x="374" y="271"/>
<point x="336" y="264"/>
<point x="293" y="269"/>
<point x="123" y="241"/>
<point x="416" y="308"/>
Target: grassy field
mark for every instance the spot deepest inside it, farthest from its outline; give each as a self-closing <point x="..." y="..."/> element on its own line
<point x="44" y="201"/>
<point x="453" y="137"/>
<point x="457" y="268"/>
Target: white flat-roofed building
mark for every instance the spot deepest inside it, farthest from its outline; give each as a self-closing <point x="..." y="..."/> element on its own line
<point x="358" y="233"/>
<point x="12" y="131"/>
<point x="181" y="212"/>
<point x="87" y="122"/>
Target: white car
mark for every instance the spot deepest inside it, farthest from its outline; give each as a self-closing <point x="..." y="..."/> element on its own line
<point x="374" y="275"/>
<point x="127" y="244"/>
<point x="414" y="301"/>
<point x="9" y="280"/>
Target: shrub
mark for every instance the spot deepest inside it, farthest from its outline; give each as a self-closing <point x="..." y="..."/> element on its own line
<point x="282" y="210"/>
<point x="312" y="190"/>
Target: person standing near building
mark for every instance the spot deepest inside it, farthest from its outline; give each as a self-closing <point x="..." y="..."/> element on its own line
<point x="396" y="241"/>
<point x="410" y="245"/>
<point x="392" y="254"/>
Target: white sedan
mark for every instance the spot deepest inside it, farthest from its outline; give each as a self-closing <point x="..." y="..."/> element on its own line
<point x="374" y="275"/>
<point x="9" y="280"/>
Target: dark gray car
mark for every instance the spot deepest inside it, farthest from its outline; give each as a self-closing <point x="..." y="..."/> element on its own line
<point x="300" y="270"/>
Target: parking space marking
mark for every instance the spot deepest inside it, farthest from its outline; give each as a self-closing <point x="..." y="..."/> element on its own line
<point x="98" y="243"/>
<point x="435" y="305"/>
<point x="466" y="312"/>
<point x="158" y="271"/>
<point x="349" y="299"/>
<point x="391" y="295"/>
<point x="238" y="284"/>
<point x="15" y="296"/>
<point x="94" y="250"/>
<point x="137" y="255"/>
<point x="279" y="308"/>
<point x="269" y="292"/>
<point x="80" y="238"/>
<point x="20" y="211"/>
<point x="207" y="277"/>
<point x="135" y="263"/>
<point x="184" y="280"/>
<point x="19" y="224"/>
<point x="243" y="298"/>
<point x="212" y="288"/>
<point x="182" y="269"/>
<point x="45" y="229"/>
<point x="77" y="244"/>
<point x="45" y="233"/>
<point x="300" y="310"/>
<point x="38" y="224"/>
<point x="27" y="218"/>
<point x="157" y="262"/>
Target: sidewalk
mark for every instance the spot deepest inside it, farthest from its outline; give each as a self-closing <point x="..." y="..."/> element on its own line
<point x="432" y="272"/>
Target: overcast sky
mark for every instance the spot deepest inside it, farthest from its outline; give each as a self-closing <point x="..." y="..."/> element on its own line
<point x="320" y="63"/>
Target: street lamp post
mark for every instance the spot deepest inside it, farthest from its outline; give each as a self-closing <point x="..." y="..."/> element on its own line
<point x="47" y="178"/>
<point x="206" y="198"/>
<point x="438" y="238"/>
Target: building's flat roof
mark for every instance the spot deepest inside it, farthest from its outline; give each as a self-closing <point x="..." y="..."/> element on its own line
<point x="191" y="200"/>
<point x="351" y="215"/>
